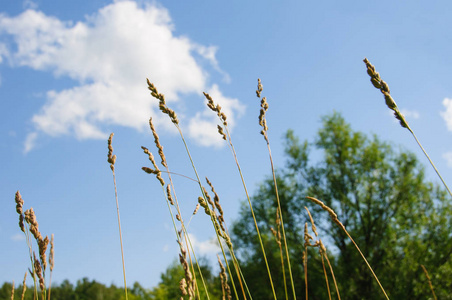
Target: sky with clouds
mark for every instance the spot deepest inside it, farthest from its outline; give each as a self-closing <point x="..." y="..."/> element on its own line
<point x="72" y="73"/>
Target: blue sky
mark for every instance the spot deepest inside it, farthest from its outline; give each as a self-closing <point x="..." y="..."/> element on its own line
<point x="71" y="72"/>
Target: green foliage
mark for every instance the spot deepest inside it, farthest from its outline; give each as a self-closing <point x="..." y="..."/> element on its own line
<point x="168" y="288"/>
<point x="83" y="290"/>
<point x="398" y="218"/>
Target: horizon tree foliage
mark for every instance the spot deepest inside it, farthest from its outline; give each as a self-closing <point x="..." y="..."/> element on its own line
<point x="398" y="218"/>
<point x="84" y="289"/>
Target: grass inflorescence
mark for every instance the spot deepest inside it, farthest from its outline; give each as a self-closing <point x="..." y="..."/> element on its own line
<point x="233" y="282"/>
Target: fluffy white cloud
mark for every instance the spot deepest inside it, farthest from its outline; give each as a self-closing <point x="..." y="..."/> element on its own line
<point x="207" y="247"/>
<point x="109" y="55"/>
<point x="410" y="114"/>
<point x="448" y="157"/>
<point x="447" y="115"/>
<point x="18" y="237"/>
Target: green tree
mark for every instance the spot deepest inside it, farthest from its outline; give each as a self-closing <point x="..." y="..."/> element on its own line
<point x="398" y="218"/>
<point x="168" y="288"/>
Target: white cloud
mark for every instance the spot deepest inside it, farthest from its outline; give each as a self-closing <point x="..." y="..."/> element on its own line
<point x="18" y="237"/>
<point x="448" y="157"/>
<point x="110" y="54"/>
<point x="30" y="142"/>
<point x="410" y="114"/>
<point x="28" y="4"/>
<point x="447" y="115"/>
<point x="209" y="246"/>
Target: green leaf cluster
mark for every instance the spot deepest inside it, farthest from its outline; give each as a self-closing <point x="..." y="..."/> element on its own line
<point x="398" y="218"/>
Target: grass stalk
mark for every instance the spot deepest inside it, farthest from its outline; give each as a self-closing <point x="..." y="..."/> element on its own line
<point x="263" y="123"/>
<point x="24" y="287"/>
<point x="170" y="201"/>
<point x="112" y="160"/>
<point x="336" y="220"/>
<point x="384" y="88"/>
<point x="331" y="270"/>
<point x="429" y="281"/>
<point x="326" y="275"/>
<point x="227" y="136"/>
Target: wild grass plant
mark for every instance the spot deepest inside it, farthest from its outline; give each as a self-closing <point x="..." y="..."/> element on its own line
<point x="233" y="282"/>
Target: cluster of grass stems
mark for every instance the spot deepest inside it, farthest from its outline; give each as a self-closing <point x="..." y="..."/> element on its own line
<point x="209" y="202"/>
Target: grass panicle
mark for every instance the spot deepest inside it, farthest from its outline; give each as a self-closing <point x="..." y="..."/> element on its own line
<point x="24" y="287"/>
<point x="384" y="88"/>
<point x="222" y="117"/>
<point x="279" y="218"/>
<point x="12" y="291"/>
<point x="225" y="289"/>
<point x="334" y="218"/>
<point x="112" y="160"/>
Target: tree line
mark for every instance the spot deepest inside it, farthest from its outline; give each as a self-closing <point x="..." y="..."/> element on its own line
<point x="380" y="193"/>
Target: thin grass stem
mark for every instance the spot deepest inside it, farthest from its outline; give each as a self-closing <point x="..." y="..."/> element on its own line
<point x="336" y="220"/>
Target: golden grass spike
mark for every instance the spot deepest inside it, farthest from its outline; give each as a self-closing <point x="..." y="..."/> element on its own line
<point x="314" y="229"/>
<point x="30" y="218"/>
<point x="226" y="290"/>
<point x="12" y="291"/>
<point x="51" y="263"/>
<point x="24" y="287"/>
<point x="42" y="244"/>
<point x="19" y="210"/>
<point x="38" y="270"/>
<point x="383" y="87"/>
<point x="157" y="143"/>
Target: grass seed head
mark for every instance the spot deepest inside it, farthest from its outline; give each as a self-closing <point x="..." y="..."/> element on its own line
<point x="19" y="210"/>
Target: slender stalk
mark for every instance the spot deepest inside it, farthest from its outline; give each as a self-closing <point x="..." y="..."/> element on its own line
<point x="24" y="286"/>
<point x="12" y="291"/>
<point x="204" y="196"/>
<point x="431" y="162"/>
<point x="112" y="160"/>
<point x="263" y="123"/>
<point x="336" y="220"/>
<point x="429" y="281"/>
<point x="252" y="212"/>
<point x="332" y="274"/>
<point x="120" y="236"/>
<point x="378" y="83"/>
<point x="282" y="221"/>
<point x="326" y="277"/>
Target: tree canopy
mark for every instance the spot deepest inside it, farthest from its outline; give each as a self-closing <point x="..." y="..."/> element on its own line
<point x="398" y="218"/>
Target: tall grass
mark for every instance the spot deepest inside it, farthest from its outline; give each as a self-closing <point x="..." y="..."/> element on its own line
<point x="210" y="203"/>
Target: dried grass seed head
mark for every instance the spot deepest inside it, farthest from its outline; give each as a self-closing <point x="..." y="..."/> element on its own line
<point x="157" y="143"/>
<point x="19" y="210"/>
<point x="38" y="270"/>
<point x="314" y="229"/>
<point x="259" y="88"/>
<point x="24" y="286"/>
<point x="221" y="132"/>
<point x="196" y="209"/>
<point x="168" y="193"/>
<point x="52" y="254"/>
<point x="12" y="291"/>
<point x="378" y="83"/>
<point x="42" y="244"/>
<point x="30" y="218"/>
<point x="111" y="158"/>
<point x="162" y="103"/>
